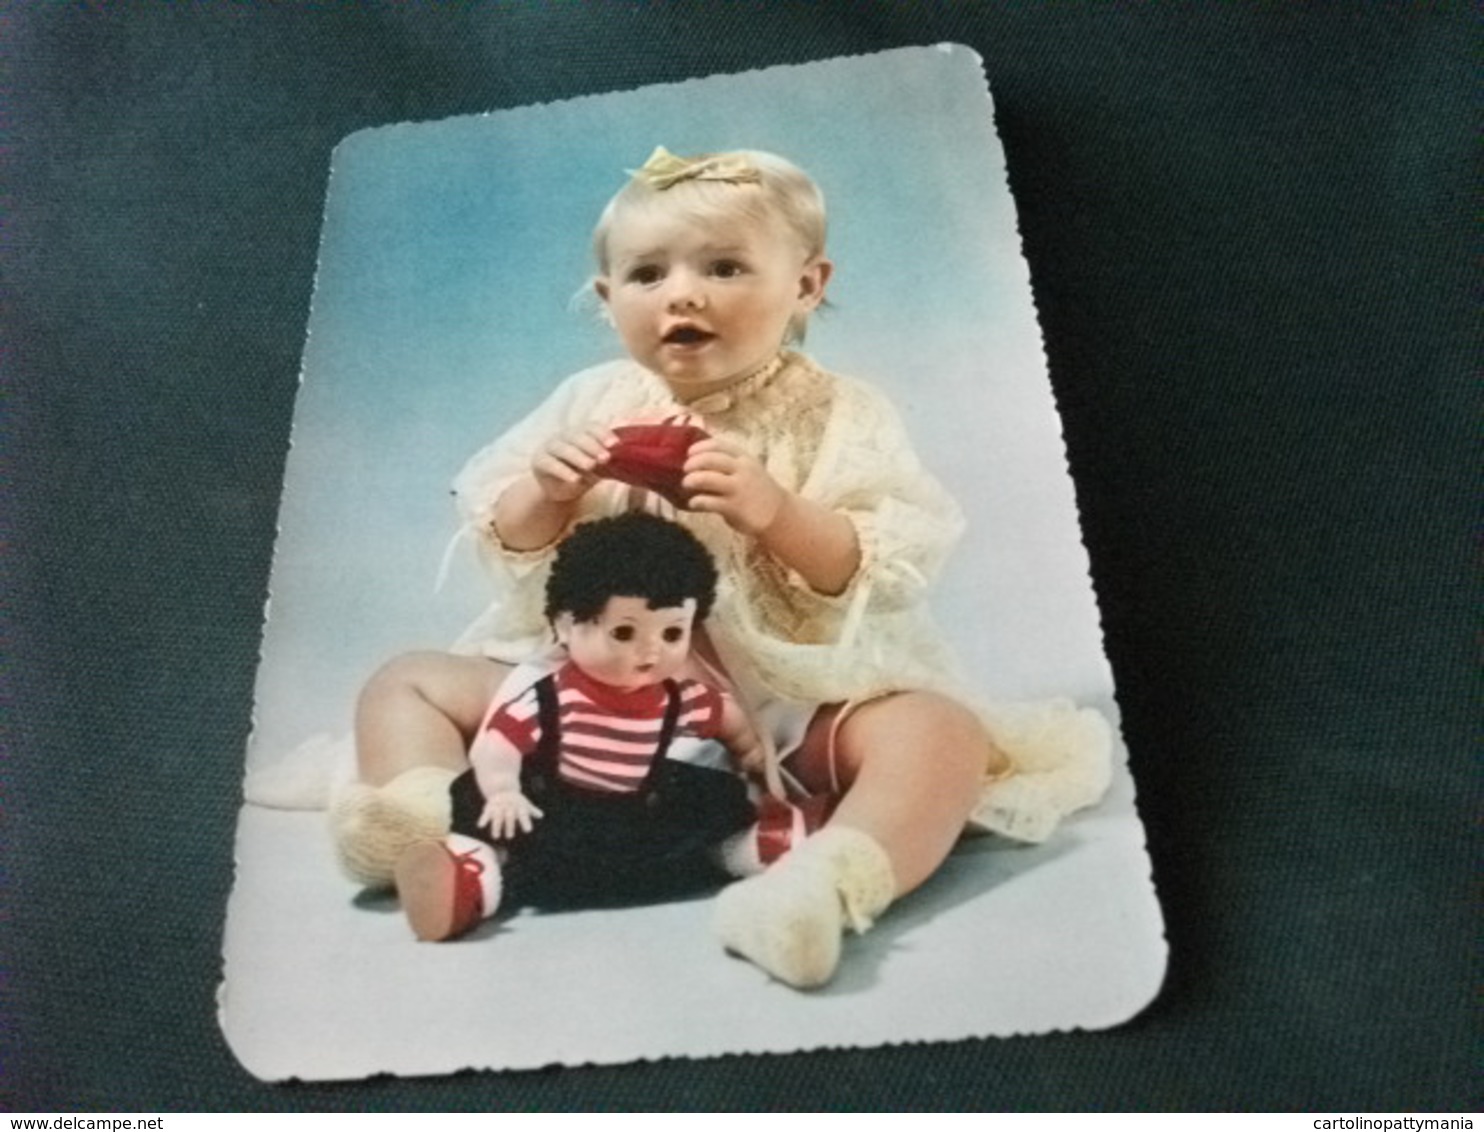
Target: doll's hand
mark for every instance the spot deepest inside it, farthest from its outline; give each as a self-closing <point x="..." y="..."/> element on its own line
<point x="751" y="759"/>
<point x="508" y="812"/>
<point x="723" y="478"/>
<point x="741" y="738"/>
<point x="565" y="468"/>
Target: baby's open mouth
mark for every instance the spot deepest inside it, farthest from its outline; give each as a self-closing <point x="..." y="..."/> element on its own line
<point x="688" y="336"/>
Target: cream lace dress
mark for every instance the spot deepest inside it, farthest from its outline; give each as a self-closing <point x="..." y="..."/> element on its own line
<point x="832" y="440"/>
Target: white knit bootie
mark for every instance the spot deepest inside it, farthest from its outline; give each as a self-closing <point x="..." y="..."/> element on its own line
<point x="789" y="920"/>
<point x="372" y="826"/>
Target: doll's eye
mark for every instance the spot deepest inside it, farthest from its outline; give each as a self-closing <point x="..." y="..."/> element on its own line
<point x="623" y="633"/>
<point x="673" y="635"/>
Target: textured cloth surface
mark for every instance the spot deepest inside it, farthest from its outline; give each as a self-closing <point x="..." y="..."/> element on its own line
<point x="1248" y="234"/>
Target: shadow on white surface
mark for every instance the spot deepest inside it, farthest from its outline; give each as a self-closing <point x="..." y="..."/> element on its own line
<point x="324" y="982"/>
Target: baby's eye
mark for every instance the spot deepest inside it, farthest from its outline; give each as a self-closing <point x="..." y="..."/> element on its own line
<point x="727" y="269"/>
<point x="645" y="274"/>
<point x="673" y="634"/>
<point x="622" y="633"/>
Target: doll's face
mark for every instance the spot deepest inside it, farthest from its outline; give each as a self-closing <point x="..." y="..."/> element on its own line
<point x="630" y="645"/>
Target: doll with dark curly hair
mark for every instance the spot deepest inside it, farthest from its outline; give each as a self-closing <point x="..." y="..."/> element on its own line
<point x="570" y="800"/>
<point x="631" y="555"/>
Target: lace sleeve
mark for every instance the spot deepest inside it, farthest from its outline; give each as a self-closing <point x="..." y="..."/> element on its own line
<point x="492" y="470"/>
<point x="875" y="636"/>
<point x="906" y="522"/>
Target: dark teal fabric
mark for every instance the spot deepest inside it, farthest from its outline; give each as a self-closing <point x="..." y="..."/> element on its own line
<point x="1248" y="227"/>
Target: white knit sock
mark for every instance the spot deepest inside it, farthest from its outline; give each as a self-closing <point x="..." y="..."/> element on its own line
<point x="789" y="920"/>
<point x="372" y="826"/>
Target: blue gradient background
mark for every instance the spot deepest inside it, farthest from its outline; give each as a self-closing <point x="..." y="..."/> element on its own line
<point x="444" y="310"/>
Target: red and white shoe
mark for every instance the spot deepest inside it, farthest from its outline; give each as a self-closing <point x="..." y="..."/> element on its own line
<point x="780" y="826"/>
<point x="447" y="887"/>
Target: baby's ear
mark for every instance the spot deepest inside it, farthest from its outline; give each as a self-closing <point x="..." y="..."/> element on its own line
<point x="815" y="279"/>
<point x="601" y="290"/>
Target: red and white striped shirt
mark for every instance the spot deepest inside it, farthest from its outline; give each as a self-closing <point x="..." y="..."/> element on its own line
<point x="609" y="736"/>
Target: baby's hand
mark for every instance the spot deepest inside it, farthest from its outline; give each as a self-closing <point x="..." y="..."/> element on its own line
<point x="725" y="479"/>
<point x="508" y="812"/>
<point x="564" y="469"/>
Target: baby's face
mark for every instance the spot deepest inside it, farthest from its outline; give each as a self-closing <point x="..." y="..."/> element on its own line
<point x="630" y="645"/>
<point x="702" y="304"/>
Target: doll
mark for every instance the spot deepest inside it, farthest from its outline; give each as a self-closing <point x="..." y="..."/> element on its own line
<point x="570" y="800"/>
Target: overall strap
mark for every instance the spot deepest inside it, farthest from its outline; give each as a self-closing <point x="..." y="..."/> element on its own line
<point x="667" y="733"/>
<point x="549" y="716"/>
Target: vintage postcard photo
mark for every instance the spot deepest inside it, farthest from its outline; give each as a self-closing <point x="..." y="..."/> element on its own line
<point x="681" y="640"/>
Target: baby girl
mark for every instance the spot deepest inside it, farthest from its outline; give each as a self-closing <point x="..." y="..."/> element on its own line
<point x="826" y="530"/>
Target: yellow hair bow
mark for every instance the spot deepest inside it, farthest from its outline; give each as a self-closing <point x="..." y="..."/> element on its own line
<point x="664" y="170"/>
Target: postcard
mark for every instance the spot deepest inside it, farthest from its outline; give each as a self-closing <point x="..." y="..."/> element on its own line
<point x="827" y="753"/>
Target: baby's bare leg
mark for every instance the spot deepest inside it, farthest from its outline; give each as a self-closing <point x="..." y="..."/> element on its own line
<point x="422" y="709"/>
<point x="911" y="766"/>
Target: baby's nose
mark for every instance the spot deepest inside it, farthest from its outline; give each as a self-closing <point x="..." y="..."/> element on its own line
<point x="685" y="290"/>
